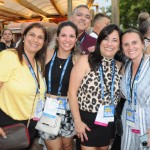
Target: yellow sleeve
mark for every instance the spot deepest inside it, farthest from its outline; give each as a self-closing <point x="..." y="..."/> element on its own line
<point x="7" y="59"/>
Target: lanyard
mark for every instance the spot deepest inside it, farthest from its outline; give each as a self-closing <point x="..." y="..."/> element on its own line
<point x="112" y="84"/>
<point x="133" y="88"/>
<point x="62" y="74"/>
<point x="36" y="78"/>
<point x="80" y="42"/>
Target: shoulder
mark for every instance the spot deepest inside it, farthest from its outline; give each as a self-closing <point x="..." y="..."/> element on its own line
<point x="82" y="61"/>
<point x="2" y="46"/>
<point x="75" y="57"/>
<point x="84" y="58"/>
<point x="118" y="64"/>
<point x="9" y="53"/>
<point x="82" y="66"/>
<point x="9" y="59"/>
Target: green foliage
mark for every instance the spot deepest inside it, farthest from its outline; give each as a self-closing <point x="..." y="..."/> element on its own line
<point x="129" y="11"/>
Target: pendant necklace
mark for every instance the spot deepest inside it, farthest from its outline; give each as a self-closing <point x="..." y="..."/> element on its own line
<point x="61" y="63"/>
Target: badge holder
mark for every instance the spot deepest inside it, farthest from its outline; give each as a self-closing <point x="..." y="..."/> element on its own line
<point x="100" y="120"/>
<point x="51" y="106"/>
<point x="39" y="108"/>
<point x="130" y="118"/>
<point x="109" y="113"/>
<point x="62" y="105"/>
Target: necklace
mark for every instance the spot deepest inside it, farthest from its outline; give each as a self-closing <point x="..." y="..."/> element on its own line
<point x="60" y="62"/>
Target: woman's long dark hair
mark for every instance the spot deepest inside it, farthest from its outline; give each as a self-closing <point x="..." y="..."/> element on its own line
<point x="40" y="55"/>
<point x="95" y="58"/>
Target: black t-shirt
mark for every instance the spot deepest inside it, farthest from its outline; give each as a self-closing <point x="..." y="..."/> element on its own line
<point x="56" y="74"/>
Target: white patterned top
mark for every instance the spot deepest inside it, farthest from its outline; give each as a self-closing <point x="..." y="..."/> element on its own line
<point x="130" y="140"/>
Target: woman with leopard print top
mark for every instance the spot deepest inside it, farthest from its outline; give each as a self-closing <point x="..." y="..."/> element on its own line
<point x="94" y="91"/>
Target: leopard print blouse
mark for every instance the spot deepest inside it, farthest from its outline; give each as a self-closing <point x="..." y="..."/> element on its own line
<point x="89" y="93"/>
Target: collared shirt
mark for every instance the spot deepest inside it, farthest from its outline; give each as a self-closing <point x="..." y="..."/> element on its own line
<point x="18" y="90"/>
<point x="94" y="35"/>
<point x="131" y="140"/>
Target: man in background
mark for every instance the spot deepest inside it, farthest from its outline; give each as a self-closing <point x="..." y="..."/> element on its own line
<point x="100" y="21"/>
<point x="81" y="17"/>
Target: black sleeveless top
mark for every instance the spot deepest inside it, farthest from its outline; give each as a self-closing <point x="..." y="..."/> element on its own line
<point x="56" y="74"/>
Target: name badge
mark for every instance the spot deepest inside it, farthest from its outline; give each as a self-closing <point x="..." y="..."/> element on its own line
<point x="100" y="119"/>
<point x="62" y="105"/>
<point x="50" y="108"/>
<point x="130" y="117"/>
<point x="109" y="112"/>
<point x="136" y="128"/>
<point x="38" y="110"/>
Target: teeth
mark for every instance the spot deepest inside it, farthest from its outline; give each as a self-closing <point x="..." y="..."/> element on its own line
<point x="81" y="23"/>
<point x="67" y="45"/>
<point x="131" y="52"/>
<point x="109" y="49"/>
<point x="35" y="45"/>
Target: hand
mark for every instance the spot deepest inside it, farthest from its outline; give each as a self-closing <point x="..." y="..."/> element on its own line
<point x="2" y="133"/>
<point x="80" y="128"/>
<point x="91" y="48"/>
<point x="148" y="138"/>
<point x="2" y="40"/>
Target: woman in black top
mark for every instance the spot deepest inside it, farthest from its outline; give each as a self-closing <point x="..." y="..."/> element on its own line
<point x="59" y="64"/>
<point x="7" y="40"/>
